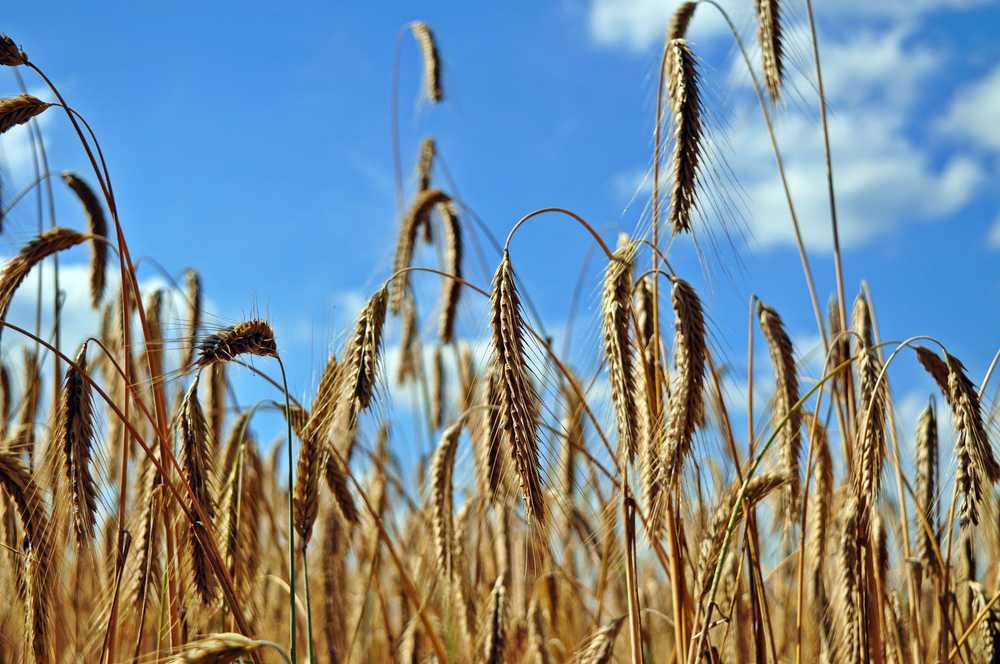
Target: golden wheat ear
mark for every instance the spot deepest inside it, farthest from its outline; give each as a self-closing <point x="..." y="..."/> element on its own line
<point x="616" y="317"/>
<point x="680" y="20"/>
<point x="74" y="436"/>
<point x="218" y="648"/>
<point x="98" y="226"/>
<point x="251" y="337"/>
<point x="11" y="54"/>
<point x="18" y="110"/>
<point x="432" y="61"/>
<point x="770" y="34"/>
<point x="685" y="105"/>
<point x="197" y="463"/>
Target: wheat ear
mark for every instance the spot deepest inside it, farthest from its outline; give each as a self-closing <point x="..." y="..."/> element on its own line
<point x="98" y="227"/>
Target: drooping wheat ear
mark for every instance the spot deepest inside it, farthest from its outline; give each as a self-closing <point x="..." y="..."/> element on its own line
<point x="820" y="505"/>
<point x="685" y="105"/>
<point x="425" y="164"/>
<point x="685" y="406"/>
<point x="74" y="436"/>
<point x="11" y="54"/>
<point x="847" y="642"/>
<point x="451" y="290"/>
<point x="772" y="48"/>
<point x="437" y="389"/>
<point x="975" y="461"/>
<point x="758" y="488"/>
<point x="49" y="242"/>
<point x="927" y="486"/>
<point x="494" y="638"/>
<point x="616" y="318"/>
<point x="442" y="469"/>
<point x="220" y="648"/>
<point x="305" y="497"/>
<point x="16" y="481"/>
<point x="197" y="464"/>
<point x="251" y="337"/>
<point x="5" y="401"/>
<point x="600" y="646"/>
<point x="18" y="110"/>
<point x="989" y="627"/>
<point x="517" y="398"/>
<point x="417" y="214"/>
<point x="432" y="61"/>
<point x="192" y="293"/>
<point x="680" y="20"/>
<point x="870" y="455"/>
<point x="325" y="402"/>
<point x="98" y="227"/>
<point x="840" y="345"/>
<point x="409" y="342"/>
<point x="143" y="565"/>
<point x="786" y="394"/>
<point x="468" y="380"/>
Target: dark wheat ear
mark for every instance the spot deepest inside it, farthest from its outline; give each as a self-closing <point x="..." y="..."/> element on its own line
<point x="769" y="33"/>
<point x="417" y="214"/>
<point x="681" y="19"/>
<point x="251" y="337"/>
<point x="616" y="315"/>
<point x="98" y="231"/>
<point x="869" y="457"/>
<point x="927" y="486"/>
<point x="517" y="399"/>
<point x="197" y="463"/>
<point x="18" y="110"/>
<point x="425" y="164"/>
<point x="49" y="242"/>
<point x="451" y="289"/>
<point x="432" y="60"/>
<point x="685" y="105"/>
<point x="685" y="406"/>
<point x="74" y="436"/>
<point x="11" y="54"/>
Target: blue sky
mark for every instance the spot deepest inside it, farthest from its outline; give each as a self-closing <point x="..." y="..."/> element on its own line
<point x="252" y="142"/>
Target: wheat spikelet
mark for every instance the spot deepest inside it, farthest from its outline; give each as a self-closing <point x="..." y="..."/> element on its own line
<point x="517" y="398"/>
<point x="616" y="316"/>
<point x="253" y="337"/>
<point x="192" y="293"/>
<point x="680" y="20"/>
<point x="17" y="482"/>
<point x="18" y="110"/>
<point x="496" y="615"/>
<point x="686" y="403"/>
<point x="432" y="61"/>
<point x="11" y="54"/>
<point x="870" y="457"/>
<point x="685" y="104"/>
<point x="847" y="639"/>
<point x="74" y="437"/>
<point x="785" y="397"/>
<point x="437" y="389"/>
<point x="417" y="214"/>
<point x="325" y="402"/>
<point x="196" y="462"/>
<point x="769" y="33"/>
<point x="220" y="648"/>
<point x="425" y="164"/>
<point x="600" y="646"/>
<point x="305" y="497"/>
<point x="927" y="483"/>
<point x="820" y="505"/>
<point x="442" y="521"/>
<point x="49" y="242"/>
<point x="451" y="290"/>
<point x="98" y="227"/>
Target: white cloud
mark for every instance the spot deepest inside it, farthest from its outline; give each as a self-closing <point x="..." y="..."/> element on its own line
<point x="974" y="111"/>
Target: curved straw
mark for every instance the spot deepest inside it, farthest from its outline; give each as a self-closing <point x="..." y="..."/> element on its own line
<point x="572" y="215"/>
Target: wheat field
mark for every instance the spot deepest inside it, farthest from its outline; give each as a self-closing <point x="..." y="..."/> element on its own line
<point x="594" y="514"/>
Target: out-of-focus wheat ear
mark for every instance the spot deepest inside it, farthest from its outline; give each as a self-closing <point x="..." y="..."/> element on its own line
<point x="5" y="401"/>
<point x="432" y="61"/>
<point x="494" y="631"/>
<point x="217" y="401"/>
<point x="16" y="481"/>
<point x="820" y="506"/>
<point x="468" y="380"/>
<point x="11" y="54"/>
<point x="197" y="466"/>
<point x="847" y="643"/>
<point x="98" y="226"/>
<point x="192" y="293"/>
<point x="321" y="416"/>
<point x="409" y="343"/>
<point x="685" y="105"/>
<point x="18" y="110"/>
<point x="442" y="516"/>
<point x="711" y="545"/>
<point x="16" y="269"/>
<point x="143" y="565"/>
<point x="599" y="647"/>
<point x="425" y="164"/>
<point x="489" y="456"/>
<point x="786" y="394"/>
<point x="416" y="214"/>
<point x="451" y="290"/>
<point x="23" y="440"/>
<point x="685" y="407"/>
<point x="573" y="441"/>
<point x="305" y="497"/>
<point x="437" y="389"/>
<point x="870" y="456"/>
<point x="538" y="652"/>
<point x="616" y="318"/>
<point x="680" y="20"/>
<point x="334" y="582"/>
<point x="926" y="489"/>
<point x="840" y="346"/>
<point x="989" y="628"/>
<point x="336" y="480"/>
<point x="239" y="512"/>
<point x="250" y="337"/>
<point x="769" y="32"/>
<point x="74" y="438"/>
<point x="220" y="648"/>
<point x="517" y="398"/>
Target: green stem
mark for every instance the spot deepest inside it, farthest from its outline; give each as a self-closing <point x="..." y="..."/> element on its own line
<point x="291" y="525"/>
